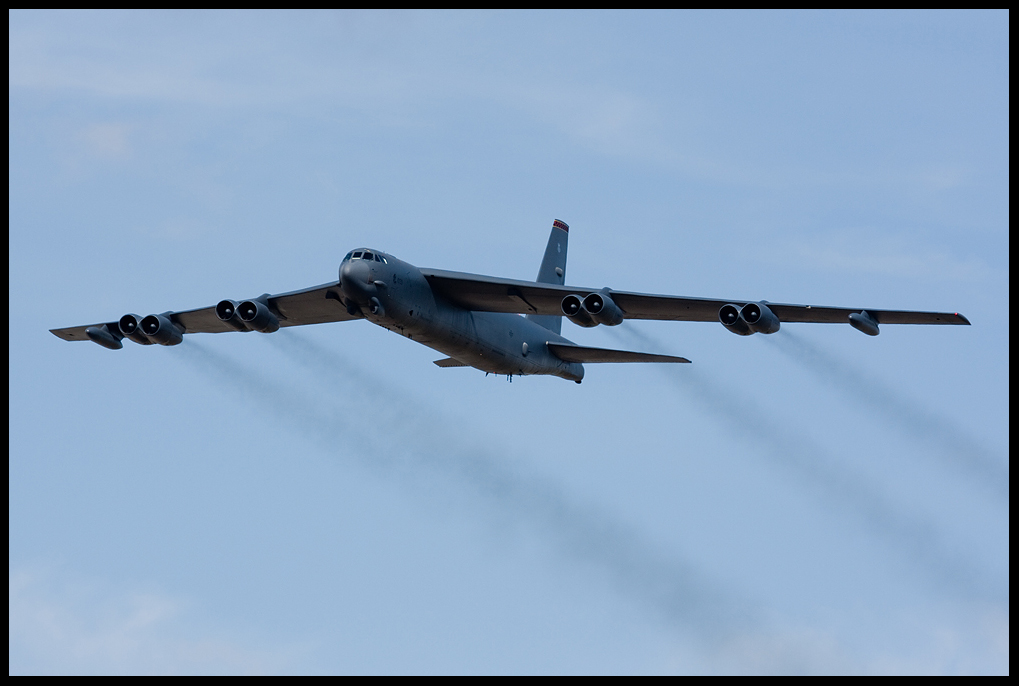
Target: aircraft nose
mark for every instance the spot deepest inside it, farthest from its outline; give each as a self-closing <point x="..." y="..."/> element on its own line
<point x="355" y="270"/>
<point x="354" y="278"/>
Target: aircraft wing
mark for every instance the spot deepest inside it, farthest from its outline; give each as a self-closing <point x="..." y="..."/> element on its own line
<point x="315" y="305"/>
<point x="492" y="294"/>
<point x="570" y="352"/>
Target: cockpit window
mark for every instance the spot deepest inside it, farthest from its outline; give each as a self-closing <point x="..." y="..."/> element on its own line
<point x="365" y="255"/>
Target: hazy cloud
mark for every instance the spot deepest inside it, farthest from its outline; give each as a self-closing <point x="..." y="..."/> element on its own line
<point x="62" y="624"/>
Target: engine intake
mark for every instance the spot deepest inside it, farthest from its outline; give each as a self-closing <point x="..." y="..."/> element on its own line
<point x="129" y="327"/>
<point x="573" y="308"/>
<point x="226" y="310"/>
<point x="731" y="319"/>
<point x="161" y="330"/>
<point x="760" y="318"/>
<point x="603" y="309"/>
<point x="257" y="316"/>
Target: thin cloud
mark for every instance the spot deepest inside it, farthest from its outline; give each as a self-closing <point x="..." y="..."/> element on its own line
<point x="60" y="623"/>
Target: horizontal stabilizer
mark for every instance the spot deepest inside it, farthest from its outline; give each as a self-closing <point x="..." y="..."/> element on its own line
<point x="568" y="352"/>
<point x="450" y="362"/>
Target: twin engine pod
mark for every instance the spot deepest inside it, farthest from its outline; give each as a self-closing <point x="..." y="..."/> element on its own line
<point x="156" y="328"/>
<point x="752" y="318"/>
<point x="595" y="309"/>
<point x="250" y="315"/>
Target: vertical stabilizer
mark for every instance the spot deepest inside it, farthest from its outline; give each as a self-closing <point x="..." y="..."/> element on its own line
<point x="553" y="270"/>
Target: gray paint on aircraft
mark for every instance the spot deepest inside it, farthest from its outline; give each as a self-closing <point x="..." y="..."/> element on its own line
<point x="476" y="320"/>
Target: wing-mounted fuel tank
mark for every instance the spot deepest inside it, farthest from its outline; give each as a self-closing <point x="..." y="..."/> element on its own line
<point x="865" y="322"/>
<point x="107" y="335"/>
<point x="592" y="310"/>
<point x="750" y="319"/>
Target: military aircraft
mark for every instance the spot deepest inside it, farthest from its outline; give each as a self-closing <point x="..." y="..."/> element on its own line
<point x="475" y="320"/>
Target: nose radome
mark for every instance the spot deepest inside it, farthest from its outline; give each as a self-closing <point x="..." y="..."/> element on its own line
<point x="354" y="276"/>
<point x="355" y="271"/>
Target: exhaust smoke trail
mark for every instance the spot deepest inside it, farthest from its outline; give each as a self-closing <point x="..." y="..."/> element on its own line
<point x="423" y="445"/>
<point x="949" y="441"/>
<point x="832" y="485"/>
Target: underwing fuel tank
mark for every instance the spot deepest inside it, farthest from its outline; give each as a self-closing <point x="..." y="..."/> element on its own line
<point x="103" y="336"/>
<point x="864" y="322"/>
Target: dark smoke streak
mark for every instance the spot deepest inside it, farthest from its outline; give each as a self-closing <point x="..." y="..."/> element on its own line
<point x="423" y="445"/>
<point x="948" y="440"/>
<point x="833" y="485"/>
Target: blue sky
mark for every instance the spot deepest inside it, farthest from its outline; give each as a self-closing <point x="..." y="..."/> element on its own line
<point x="327" y="500"/>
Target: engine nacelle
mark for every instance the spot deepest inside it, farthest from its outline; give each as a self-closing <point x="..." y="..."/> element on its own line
<point x="573" y="308"/>
<point x="161" y="330"/>
<point x="760" y="318"/>
<point x="226" y="310"/>
<point x="603" y="309"/>
<point x="257" y="316"/>
<point x="731" y="319"/>
<point x="129" y="327"/>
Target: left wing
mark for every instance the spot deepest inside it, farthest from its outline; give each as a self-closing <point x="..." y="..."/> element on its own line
<point x="491" y="294"/>
<point x="315" y="305"/>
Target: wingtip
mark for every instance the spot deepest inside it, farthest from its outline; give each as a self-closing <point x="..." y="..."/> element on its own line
<point x="65" y="335"/>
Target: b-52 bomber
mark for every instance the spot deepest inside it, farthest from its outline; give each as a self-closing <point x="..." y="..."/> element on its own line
<point x="475" y="320"/>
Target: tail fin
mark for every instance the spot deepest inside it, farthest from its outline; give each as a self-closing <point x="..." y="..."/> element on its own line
<point x="553" y="270"/>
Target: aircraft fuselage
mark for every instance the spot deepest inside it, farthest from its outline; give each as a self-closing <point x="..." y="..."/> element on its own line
<point x="395" y="295"/>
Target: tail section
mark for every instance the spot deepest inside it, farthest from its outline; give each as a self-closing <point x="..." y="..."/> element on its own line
<point x="553" y="270"/>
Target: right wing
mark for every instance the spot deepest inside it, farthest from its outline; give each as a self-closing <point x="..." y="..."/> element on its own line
<point x="315" y="305"/>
